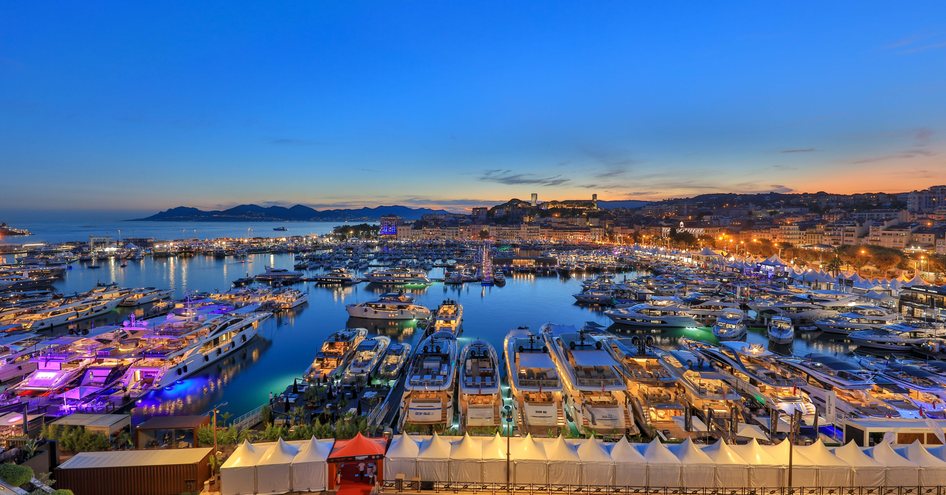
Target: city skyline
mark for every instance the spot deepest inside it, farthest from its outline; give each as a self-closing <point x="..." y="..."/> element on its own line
<point x="139" y="109"/>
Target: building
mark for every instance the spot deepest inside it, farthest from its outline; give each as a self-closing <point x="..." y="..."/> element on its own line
<point x="535" y="199"/>
<point x="143" y="472"/>
<point x="389" y="226"/>
<point x="924" y="302"/>
<point x="928" y="200"/>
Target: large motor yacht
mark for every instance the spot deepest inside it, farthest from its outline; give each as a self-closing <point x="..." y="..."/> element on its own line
<point x="857" y="318"/>
<point x="704" y="388"/>
<point x="427" y="403"/>
<point x="367" y="356"/>
<point x="393" y="361"/>
<point x="595" y="393"/>
<point x="147" y="295"/>
<point x="730" y="325"/>
<point x="335" y="352"/>
<point x="394" y="306"/>
<point x="397" y="276"/>
<point x="480" y="401"/>
<point x="534" y="383"/>
<point x="652" y="316"/>
<point x="780" y="330"/>
<point x="448" y="317"/>
<point x="899" y="337"/>
<point x="655" y="394"/>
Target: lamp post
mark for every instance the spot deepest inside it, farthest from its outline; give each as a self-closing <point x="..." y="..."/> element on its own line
<point x="507" y="417"/>
<point x="216" y="410"/>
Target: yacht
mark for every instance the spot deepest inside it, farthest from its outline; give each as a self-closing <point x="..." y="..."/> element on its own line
<point x="534" y="383"/>
<point x="751" y="369"/>
<point x="147" y="295"/>
<point x="279" y="276"/>
<point x="479" y="400"/>
<point x="730" y="325"/>
<point x="428" y="400"/>
<point x="393" y="306"/>
<point x="397" y="276"/>
<point x="337" y="276"/>
<point x="16" y="352"/>
<point x="594" y="392"/>
<point x="780" y="330"/>
<point x="652" y="316"/>
<point x="334" y="353"/>
<point x="499" y="278"/>
<point x="857" y="318"/>
<point x="923" y="388"/>
<point x="393" y="361"/>
<point x="704" y="388"/>
<point x="287" y="298"/>
<point x="367" y="356"/>
<point x="897" y="337"/>
<point x="655" y="394"/>
<point x="67" y="313"/>
<point x="595" y="297"/>
<point x="448" y="317"/>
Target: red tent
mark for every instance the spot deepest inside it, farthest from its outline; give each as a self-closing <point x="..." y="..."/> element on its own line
<point x="360" y="446"/>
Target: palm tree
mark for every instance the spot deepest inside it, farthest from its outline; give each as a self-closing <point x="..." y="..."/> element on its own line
<point x="833" y="266"/>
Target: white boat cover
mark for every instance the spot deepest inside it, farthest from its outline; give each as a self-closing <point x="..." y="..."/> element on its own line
<point x="563" y="462"/>
<point x="867" y="471"/>
<point x="731" y="470"/>
<point x="433" y="460"/>
<point x="900" y="471"/>
<point x="401" y="457"/>
<point x="764" y="470"/>
<point x="494" y="460"/>
<point x="832" y="471"/>
<point x="273" y="472"/>
<point x="466" y="458"/>
<point x="699" y="470"/>
<point x="529" y="463"/>
<point x="310" y="468"/>
<point x="630" y="468"/>
<point x="597" y="467"/>
<point x="663" y="468"/>
<point x="932" y="468"/>
<point x="238" y="473"/>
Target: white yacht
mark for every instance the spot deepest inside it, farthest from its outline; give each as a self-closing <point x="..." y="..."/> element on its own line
<point x="392" y="306"/>
<point x="594" y="392"/>
<point x="147" y="295"/>
<point x="393" y="361"/>
<point x="335" y="352"/>
<point x="278" y="276"/>
<point x="287" y="298"/>
<point x="704" y="388"/>
<point x="15" y="353"/>
<point x="480" y="401"/>
<point x="655" y="394"/>
<point x="397" y="276"/>
<point x="448" y="317"/>
<point x="857" y="318"/>
<point x="71" y="312"/>
<point x="428" y="400"/>
<point x="897" y="337"/>
<point x="337" y="276"/>
<point x="367" y="356"/>
<point x="652" y="316"/>
<point x="730" y="325"/>
<point x="534" y="383"/>
<point x="780" y="330"/>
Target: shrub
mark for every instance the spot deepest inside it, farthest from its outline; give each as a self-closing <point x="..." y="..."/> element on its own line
<point x="16" y="475"/>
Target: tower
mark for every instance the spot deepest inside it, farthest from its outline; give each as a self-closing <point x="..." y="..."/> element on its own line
<point x="535" y="199"/>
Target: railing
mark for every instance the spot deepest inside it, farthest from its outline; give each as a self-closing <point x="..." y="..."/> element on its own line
<point x="494" y="488"/>
<point x="249" y="419"/>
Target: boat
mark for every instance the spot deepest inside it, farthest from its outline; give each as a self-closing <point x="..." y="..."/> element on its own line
<point x="8" y="231"/>
<point x="428" y="399"/>
<point x="286" y="298"/>
<point x="334" y="353"/>
<point x="243" y="281"/>
<point x="279" y="276"/>
<point x="595" y="394"/>
<point x="730" y="325"/>
<point x="336" y="276"/>
<point x="280" y="229"/>
<point x="704" y="389"/>
<point x="16" y="352"/>
<point x="652" y="316"/>
<point x="393" y="361"/>
<point x="397" y="276"/>
<point x="391" y="306"/>
<point x="366" y="359"/>
<point x="499" y="278"/>
<point x="534" y="384"/>
<point x="857" y="318"/>
<point x="147" y="295"/>
<point x="449" y="316"/>
<point x="67" y="313"/>
<point x="780" y="330"/>
<point x="899" y="337"/>
<point x="479" y="400"/>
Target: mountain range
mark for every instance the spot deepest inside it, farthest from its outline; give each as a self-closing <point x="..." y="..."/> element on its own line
<point x="297" y="213"/>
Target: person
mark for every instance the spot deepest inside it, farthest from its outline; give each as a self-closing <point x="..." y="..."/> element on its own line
<point x="338" y="475"/>
<point x="361" y="470"/>
<point x="372" y="472"/>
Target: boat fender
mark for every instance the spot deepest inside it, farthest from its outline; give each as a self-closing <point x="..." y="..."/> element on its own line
<point x="185" y="369"/>
<point x="179" y="371"/>
<point x="598" y="345"/>
<point x="207" y="358"/>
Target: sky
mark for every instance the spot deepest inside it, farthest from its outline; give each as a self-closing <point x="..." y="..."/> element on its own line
<point x="141" y="106"/>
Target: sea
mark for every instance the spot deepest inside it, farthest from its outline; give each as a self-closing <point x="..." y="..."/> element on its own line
<point x="288" y="342"/>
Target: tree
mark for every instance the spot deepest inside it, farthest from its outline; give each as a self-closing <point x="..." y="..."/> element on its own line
<point x="15" y="475"/>
<point x="833" y="266"/>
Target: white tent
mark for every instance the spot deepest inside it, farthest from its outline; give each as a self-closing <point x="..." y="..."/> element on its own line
<point x="932" y="468"/>
<point x="832" y="471"/>
<point x="309" y="467"/>
<point x="698" y="469"/>
<point x="900" y="471"/>
<point x="732" y="471"/>
<point x="597" y="468"/>
<point x="564" y="464"/>
<point x="238" y="473"/>
<point x="273" y="472"/>
<point x="529" y="462"/>
<point x="804" y="470"/>
<point x="764" y="470"/>
<point x="433" y="461"/>
<point x="629" y="465"/>
<point x="663" y="468"/>
<point x="494" y="460"/>
<point x="401" y="458"/>
<point x="466" y="457"/>
<point x="867" y="471"/>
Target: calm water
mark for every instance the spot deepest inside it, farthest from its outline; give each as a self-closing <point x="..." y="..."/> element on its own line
<point x="290" y="341"/>
<point x="53" y="231"/>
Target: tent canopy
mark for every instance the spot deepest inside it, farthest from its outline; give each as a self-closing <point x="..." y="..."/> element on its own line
<point x="360" y="446"/>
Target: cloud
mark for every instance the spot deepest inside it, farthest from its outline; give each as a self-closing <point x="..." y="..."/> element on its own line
<point x="293" y="142"/>
<point x="903" y="155"/>
<point x="798" y="150"/>
<point x="922" y="136"/>
<point x="611" y="173"/>
<point x="779" y="188"/>
<point x="507" y="177"/>
<point x="916" y="44"/>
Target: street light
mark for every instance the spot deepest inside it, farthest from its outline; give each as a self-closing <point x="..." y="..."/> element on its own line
<point x="507" y="417"/>
<point x="216" y="410"/>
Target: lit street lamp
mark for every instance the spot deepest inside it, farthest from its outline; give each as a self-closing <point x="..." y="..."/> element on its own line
<point x="216" y="410"/>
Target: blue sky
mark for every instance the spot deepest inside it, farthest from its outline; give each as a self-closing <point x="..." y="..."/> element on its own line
<point x="144" y="106"/>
